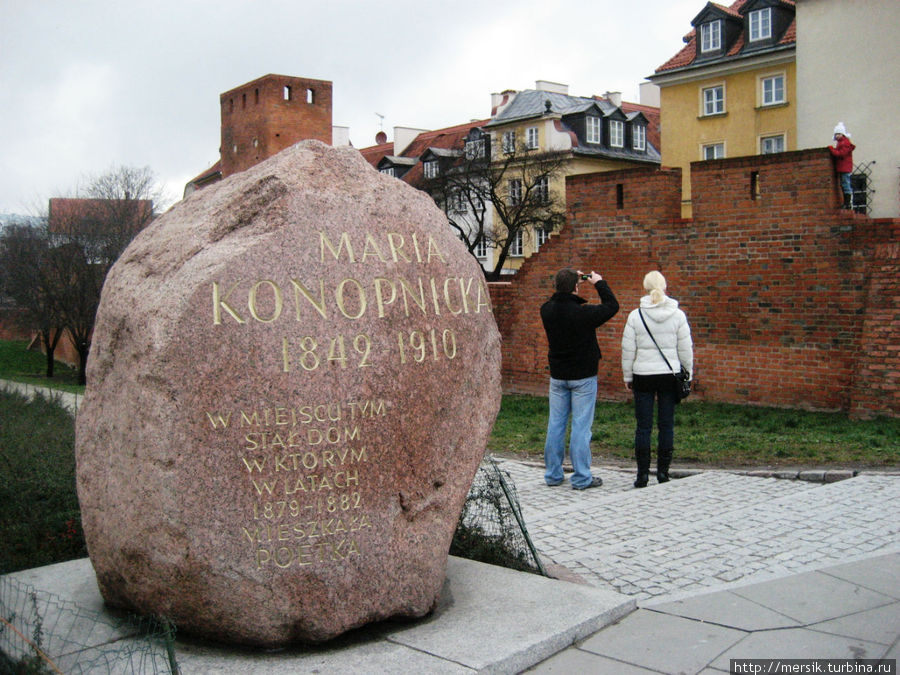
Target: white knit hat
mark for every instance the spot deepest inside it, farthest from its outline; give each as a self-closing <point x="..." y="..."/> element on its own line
<point x="840" y="129"/>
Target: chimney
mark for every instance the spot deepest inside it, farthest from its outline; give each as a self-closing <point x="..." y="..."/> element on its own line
<point x="403" y="136"/>
<point x="501" y="100"/>
<point x="552" y="87"/>
<point x="614" y="97"/>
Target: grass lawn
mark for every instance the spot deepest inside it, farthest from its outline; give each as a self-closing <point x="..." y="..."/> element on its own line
<point x="21" y="365"/>
<point x="715" y="434"/>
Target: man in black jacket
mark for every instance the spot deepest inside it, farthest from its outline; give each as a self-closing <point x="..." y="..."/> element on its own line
<point x="571" y="324"/>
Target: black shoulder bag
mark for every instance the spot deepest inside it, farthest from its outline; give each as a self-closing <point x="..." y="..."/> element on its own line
<point x="682" y="379"/>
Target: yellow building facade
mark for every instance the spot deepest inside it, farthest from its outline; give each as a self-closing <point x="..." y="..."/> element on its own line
<point x="591" y="134"/>
<point x="735" y="101"/>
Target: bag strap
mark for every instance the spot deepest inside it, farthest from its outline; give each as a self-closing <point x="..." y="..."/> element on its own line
<point x="640" y="314"/>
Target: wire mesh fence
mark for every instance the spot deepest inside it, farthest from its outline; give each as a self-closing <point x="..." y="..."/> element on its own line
<point x="41" y="633"/>
<point x="491" y="528"/>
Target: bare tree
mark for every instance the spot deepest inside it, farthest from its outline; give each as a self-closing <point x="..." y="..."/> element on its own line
<point x="493" y="202"/>
<point x="89" y="234"/>
<point x="30" y="280"/>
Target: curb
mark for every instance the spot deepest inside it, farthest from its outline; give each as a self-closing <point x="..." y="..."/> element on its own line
<point x="809" y="475"/>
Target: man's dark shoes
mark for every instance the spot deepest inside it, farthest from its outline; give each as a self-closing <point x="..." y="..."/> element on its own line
<point x="595" y="482"/>
<point x="641" y="480"/>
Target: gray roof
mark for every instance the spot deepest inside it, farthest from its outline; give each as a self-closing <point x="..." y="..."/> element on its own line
<point x="532" y="103"/>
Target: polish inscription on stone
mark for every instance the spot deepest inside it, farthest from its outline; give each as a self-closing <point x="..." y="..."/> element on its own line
<point x="293" y="376"/>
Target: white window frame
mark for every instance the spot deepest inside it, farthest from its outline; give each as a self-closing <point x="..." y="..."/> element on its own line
<point x="531" y="138"/>
<point x="760" y="24"/>
<point x="431" y="168"/>
<point x="514" y="192"/>
<point x="616" y="134"/>
<point x="639" y="137"/>
<point x="718" y="151"/>
<point x="593" y="129"/>
<point x="711" y="36"/>
<point x="772" y="89"/>
<point x="542" y="190"/>
<point x="715" y="104"/>
<point x="765" y="143"/>
<point x="475" y="149"/>
<point x="481" y="249"/>
<point x="509" y="141"/>
<point x="388" y="171"/>
<point x="540" y="237"/>
<point x="517" y="249"/>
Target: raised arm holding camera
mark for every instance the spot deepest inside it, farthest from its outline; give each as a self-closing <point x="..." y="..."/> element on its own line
<point x="571" y="323"/>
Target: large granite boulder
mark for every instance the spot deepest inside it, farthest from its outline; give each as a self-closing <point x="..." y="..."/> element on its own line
<point x="293" y="377"/>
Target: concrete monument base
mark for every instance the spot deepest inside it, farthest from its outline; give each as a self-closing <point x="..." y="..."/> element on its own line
<point x="489" y="620"/>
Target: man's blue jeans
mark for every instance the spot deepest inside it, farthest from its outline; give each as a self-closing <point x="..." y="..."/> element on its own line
<point x="575" y="398"/>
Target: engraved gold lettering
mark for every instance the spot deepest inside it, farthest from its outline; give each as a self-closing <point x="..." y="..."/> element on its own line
<point x="410" y="291"/>
<point x="220" y="303"/>
<point x="252" y="304"/>
<point x="371" y="249"/>
<point x="380" y="301"/>
<point x="344" y="242"/>
<point x="341" y="301"/>
<point x="222" y="421"/>
<point x="300" y="289"/>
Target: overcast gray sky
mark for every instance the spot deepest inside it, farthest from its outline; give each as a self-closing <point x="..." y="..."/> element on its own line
<point x="92" y="84"/>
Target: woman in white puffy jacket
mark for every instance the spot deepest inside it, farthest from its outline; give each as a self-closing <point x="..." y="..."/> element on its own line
<point x="648" y="377"/>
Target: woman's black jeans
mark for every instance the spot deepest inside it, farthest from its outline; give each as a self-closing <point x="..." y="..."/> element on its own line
<point x="643" y="414"/>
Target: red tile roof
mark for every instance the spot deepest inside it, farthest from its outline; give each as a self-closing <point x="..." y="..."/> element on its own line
<point x="688" y="53"/>
<point x="447" y="138"/>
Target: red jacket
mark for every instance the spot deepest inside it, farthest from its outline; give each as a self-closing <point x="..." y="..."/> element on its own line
<point x="843" y="155"/>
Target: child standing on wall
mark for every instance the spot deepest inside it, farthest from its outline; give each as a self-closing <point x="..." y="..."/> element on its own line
<point x="842" y="153"/>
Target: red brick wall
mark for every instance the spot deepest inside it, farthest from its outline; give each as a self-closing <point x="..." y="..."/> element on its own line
<point x="259" y="122"/>
<point x="791" y="301"/>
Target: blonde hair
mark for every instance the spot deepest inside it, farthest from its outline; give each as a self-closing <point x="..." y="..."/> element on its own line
<point x="655" y="284"/>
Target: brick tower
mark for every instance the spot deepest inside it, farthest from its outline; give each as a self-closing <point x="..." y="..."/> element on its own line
<point x="267" y="115"/>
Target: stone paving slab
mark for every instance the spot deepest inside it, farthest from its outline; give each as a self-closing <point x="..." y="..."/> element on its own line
<point x="706" y="530"/>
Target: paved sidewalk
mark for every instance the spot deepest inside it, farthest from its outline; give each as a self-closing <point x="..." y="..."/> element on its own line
<point x="70" y="402"/>
<point x="725" y="566"/>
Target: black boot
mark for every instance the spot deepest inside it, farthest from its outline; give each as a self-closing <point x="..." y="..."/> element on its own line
<point x="663" y="460"/>
<point x="642" y="455"/>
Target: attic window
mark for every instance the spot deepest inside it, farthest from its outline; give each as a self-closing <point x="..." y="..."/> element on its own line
<point x="388" y="171"/>
<point x="592" y="133"/>
<point x="431" y="169"/>
<point x="617" y="133"/>
<point x="475" y="149"/>
<point x="287" y="93"/>
<point x="761" y="24"/>
<point x="639" y="137"/>
<point x="711" y="36"/>
<point x="310" y="96"/>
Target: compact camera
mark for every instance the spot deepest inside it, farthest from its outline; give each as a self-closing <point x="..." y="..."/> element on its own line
<point x="585" y="277"/>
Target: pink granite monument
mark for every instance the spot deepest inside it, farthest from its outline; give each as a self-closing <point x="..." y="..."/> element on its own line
<point x="293" y="377"/>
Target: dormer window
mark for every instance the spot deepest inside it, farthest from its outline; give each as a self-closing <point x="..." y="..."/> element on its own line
<point x="431" y="169"/>
<point x="639" y="137"/>
<point x="388" y="171"/>
<point x="475" y="149"/>
<point x="616" y="134"/>
<point x="761" y="24"/>
<point x="592" y="129"/>
<point x="711" y="36"/>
